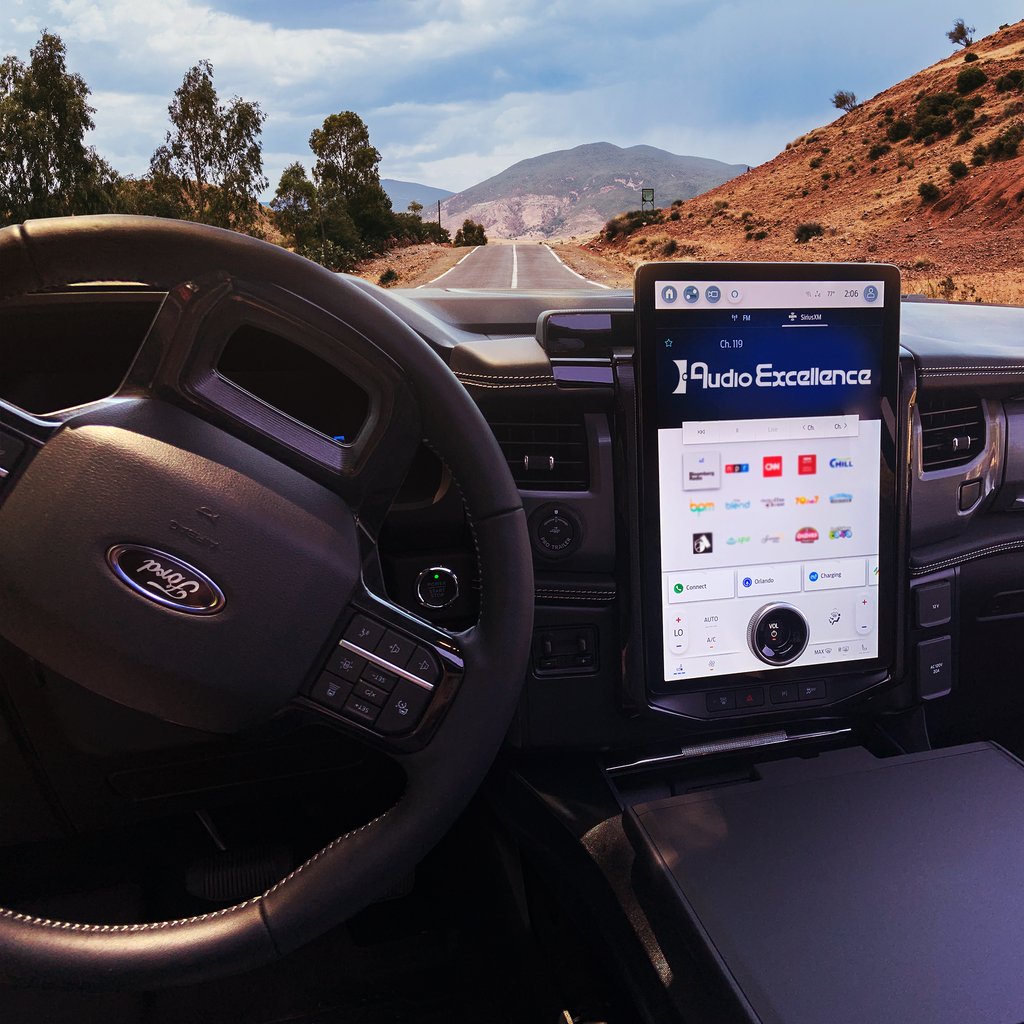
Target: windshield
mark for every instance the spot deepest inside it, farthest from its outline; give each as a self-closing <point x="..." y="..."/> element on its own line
<point x="533" y="146"/>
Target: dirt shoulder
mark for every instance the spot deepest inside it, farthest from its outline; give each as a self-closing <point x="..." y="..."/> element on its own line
<point x="592" y="267"/>
<point x="414" y="265"/>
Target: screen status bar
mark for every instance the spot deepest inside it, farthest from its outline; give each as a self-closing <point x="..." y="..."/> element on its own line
<point x="768" y="294"/>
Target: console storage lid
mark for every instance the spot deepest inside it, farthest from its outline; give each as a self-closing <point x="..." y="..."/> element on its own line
<point x="848" y="888"/>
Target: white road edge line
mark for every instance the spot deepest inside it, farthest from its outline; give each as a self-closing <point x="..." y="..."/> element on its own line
<point x="571" y="271"/>
<point x="515" y="268"/>
<point x="450" y="269"/>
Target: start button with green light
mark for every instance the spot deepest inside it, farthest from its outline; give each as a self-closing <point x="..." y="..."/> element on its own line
<point x="437" y="587"/>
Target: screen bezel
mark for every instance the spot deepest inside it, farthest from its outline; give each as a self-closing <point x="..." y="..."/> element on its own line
<point x="890" y="572"/>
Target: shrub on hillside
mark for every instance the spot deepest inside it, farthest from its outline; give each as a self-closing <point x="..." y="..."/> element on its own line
<point x="970" y="79"/>
<point x="623" y="224"/>
<point x="957" y="169"/>
<point x="806" y="231"/>
<point x="388" y="278"/>
<point x="928" y="192"/>
<point x="970" y="57"/>
<point x="899" y="129"/>
<point x="1011" y="81"/>
<point x="880" y="149"/>
<point x="931" y="116"/>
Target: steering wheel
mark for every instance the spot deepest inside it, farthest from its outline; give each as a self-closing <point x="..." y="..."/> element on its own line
<point x="187" y="551"/>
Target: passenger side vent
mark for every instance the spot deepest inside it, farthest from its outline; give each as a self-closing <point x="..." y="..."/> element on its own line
<point x="545" y="456"/>
<point x="952" y="430"/>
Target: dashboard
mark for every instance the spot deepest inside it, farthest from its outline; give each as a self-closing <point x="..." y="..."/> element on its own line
<point x="821" y="580"/>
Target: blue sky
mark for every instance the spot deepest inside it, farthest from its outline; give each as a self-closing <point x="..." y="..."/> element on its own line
<point x="454" y="91"/>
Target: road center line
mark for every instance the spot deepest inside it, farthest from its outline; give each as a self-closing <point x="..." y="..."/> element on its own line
<point x="515" y="268"/>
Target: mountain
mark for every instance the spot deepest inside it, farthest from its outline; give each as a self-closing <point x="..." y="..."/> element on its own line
<point x="402" y="193"/>
<point x="928" y="174"/>
<point x="574" y="191"/>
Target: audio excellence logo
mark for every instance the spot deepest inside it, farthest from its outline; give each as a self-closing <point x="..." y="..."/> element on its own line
<point x="765" y="376"/>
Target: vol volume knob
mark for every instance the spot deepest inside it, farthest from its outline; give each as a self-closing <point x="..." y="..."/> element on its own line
<point x="777" y="634"/>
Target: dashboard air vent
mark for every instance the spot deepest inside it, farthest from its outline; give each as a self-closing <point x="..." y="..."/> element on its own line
<point x="545" y="456"/>
<point x="952" y="430"/>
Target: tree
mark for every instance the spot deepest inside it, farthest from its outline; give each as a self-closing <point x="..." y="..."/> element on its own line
<point x="961" y="34"/>
<point x="470" y="233"/>
<point x="213" y="153"/>
<point x="346" y="177"/>
<point x="843" y="100"/>
<point x="295" y="205"/>
<point x="415" y="208"/>
<point x="46" y="170"/>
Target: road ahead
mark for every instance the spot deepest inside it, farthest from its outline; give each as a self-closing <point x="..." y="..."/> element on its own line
<point x="527" y="266"/>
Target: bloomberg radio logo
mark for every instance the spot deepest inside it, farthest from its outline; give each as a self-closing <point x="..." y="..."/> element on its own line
<point x="766" y="376"/>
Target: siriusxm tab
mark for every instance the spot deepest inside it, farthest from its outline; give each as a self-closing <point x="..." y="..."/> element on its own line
<point x="768" y="441"/>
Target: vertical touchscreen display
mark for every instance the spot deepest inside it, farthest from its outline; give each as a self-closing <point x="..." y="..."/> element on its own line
<point x="763" y="416"/>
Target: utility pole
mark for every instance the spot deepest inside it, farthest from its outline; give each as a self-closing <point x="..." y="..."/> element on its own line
<point x="439" y="213"/>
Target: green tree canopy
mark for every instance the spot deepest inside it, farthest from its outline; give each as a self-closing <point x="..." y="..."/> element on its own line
<point x="346" y="176"/>
<point x="213" y="153"/>
<point x="46" y="170"/>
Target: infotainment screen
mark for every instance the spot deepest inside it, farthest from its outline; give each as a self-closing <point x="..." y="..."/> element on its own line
<point x="768" y="447"/>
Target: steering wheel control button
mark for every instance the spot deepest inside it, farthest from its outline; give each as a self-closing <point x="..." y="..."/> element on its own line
<point x="556" y="531"/>
<point x="783" y="693"/>
<point x="404" y="708"/>
<point x="722" y="701"/>
<point x="363" y="632"/>
<point x="346" y="664"/>
<point x="330" y="690"/>
<point x="777" y="634"/>
<point x="437" y="587"/>
<point x="424" y="665"/>
<point x="395" y="649"/>
<point x="378" y="678"/>
<point x="165" y="579"/>
<point x="368" y="692"/>
<point x="933" y="604"/>
<point x="360" y="710"/>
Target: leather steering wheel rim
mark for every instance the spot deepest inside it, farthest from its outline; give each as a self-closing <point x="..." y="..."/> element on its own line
<point x="359" y="866"/>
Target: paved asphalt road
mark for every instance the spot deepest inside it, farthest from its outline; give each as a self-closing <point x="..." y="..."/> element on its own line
<point x="526" y="265"/>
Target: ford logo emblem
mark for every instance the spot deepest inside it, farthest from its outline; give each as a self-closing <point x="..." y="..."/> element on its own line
<point x="165" y="579"/>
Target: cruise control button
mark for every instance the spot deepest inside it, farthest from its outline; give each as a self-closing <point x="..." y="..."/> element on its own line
<point x="376" y="676"/>
<point x="360" y="710"/>
<point x="367" y="691"/>
<point x="424" y="665"/>
<point x="364" y="632"/>
<point x="403" y="709"/>
<point x="346" y="664"/>
<point x="330" y="690"/>
<point x="395" y="648"/>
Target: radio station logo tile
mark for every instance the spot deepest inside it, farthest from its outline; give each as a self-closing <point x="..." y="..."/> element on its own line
<point x="738" y="540"/>
<point x="840" y="498"/>
<point x="737" y="467"/>
<point x="737" y="504"/>
<point x="771" y="465"/>
<point x="840" y="533"/>
<point x="701" y="471"/>
<point x="806" y="464"/>
<point x="806" y="535"/>
<point x="703" y="543"/>
<point x="773" y="502"/>
<point x="806" y="499"/>
<point x="702" y="506"/>
<point x="838" y="463"/>
<point x="771" y="538"/>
